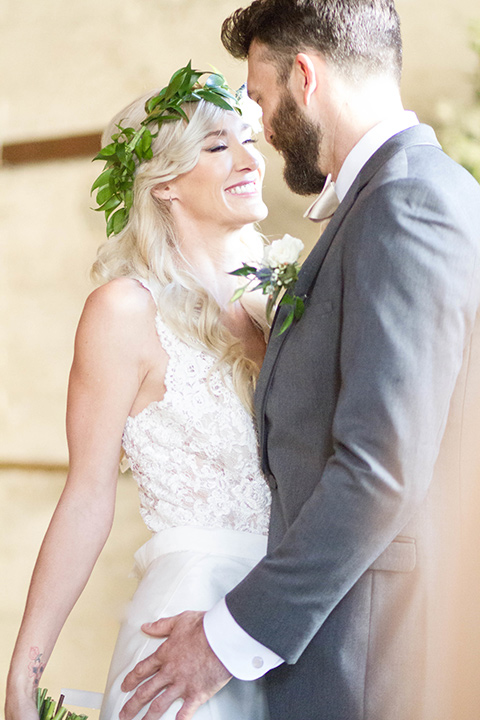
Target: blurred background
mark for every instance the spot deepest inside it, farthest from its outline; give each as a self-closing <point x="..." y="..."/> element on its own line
<point x="65" y="69"/>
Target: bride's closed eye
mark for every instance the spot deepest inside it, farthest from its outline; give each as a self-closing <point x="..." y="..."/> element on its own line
<point x="223" y="146"/>
<point x="216" y="148"/>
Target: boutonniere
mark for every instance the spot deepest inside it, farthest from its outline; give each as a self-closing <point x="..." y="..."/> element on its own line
<point x="277" y="273"/>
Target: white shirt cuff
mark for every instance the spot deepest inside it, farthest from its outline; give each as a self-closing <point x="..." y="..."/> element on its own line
<point x="243" y="656"/>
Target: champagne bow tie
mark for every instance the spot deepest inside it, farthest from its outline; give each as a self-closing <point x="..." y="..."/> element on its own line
<point x="325" y="204"/>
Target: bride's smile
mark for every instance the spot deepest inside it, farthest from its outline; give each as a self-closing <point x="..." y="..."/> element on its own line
<point x="223" y="192"/>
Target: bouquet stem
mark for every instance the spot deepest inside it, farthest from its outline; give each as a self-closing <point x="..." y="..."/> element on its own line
<point x="48" y="709"/>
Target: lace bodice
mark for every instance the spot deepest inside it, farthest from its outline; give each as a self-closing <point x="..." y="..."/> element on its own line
<point x="194" y="453"/>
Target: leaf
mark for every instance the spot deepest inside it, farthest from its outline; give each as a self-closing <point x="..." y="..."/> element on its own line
<point x="238" y="294"/>
<point x="128" y="199"/>
<point x="146" y="140"/>
<point x="110" y="225"/>
<point x="299" y="308"/>
<point x="182" y="77"/>
<point x="119" y="220"/>
<point x="103" y="179"/>
<point x="170" y="117"/>
<point x="154" y="101"/>
<point x="106" y="152"/>
<point x="191" y="80"/>
<point x="110" y="204"/>
<point x="103" y="195"/>
<point x="214" y="80"/>
<point x="287" y="322"/>
<point x="243" y="271"/>
<point x="225" y="92"/>
<point x="120" y="152"/>
<point x="287" y="300"/>
<point x="216" y="100"/>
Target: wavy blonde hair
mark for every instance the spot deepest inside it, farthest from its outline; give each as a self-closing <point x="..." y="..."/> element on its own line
<point x="147" y="248"/>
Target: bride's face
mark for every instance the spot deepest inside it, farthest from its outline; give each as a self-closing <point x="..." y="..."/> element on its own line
<point x="224" y="189"/>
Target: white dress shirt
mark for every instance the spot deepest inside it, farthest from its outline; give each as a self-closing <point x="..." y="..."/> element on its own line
<point x="243" y="656"/>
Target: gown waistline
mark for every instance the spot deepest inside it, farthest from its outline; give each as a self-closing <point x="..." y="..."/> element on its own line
<point x="214" y="541"/>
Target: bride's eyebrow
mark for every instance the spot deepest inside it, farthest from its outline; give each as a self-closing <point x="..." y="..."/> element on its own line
<point x="224" y="133"/>
<point x="216" y="133"/>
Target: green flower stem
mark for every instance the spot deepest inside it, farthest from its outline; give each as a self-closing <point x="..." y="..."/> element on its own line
<point x="49" y="710"/>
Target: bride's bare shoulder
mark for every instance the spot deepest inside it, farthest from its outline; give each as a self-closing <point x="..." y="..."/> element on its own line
<point x="123" y="295"/>
<point x="120" y="308"/>
<point x="122" y="302"/>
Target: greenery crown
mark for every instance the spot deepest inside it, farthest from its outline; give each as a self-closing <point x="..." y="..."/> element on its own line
<point x="129" y="147"/>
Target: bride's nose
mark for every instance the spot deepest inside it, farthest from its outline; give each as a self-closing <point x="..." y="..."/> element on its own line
<point x="247" y="158"/>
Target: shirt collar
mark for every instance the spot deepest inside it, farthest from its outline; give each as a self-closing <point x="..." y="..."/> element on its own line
<point x="368" y="145"/>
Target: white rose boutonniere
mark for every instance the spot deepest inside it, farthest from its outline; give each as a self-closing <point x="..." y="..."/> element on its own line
<point x="279" y="272"/>
<point x="283" y="252"/>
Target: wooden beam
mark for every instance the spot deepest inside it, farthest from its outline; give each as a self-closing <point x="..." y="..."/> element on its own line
<point x="34" y="151"/>
<point x="30" y="466"/>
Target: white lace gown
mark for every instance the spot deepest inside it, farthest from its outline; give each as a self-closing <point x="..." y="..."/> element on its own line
<point x="194" y="457"/>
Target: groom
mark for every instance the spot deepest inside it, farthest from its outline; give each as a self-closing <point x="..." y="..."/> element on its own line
<point x="364" y="406"/>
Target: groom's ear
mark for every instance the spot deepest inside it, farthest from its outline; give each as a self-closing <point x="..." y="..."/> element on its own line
<point x="304" y="76"/>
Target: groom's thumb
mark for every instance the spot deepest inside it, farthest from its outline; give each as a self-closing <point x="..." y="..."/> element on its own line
<point x="159" y="628"/>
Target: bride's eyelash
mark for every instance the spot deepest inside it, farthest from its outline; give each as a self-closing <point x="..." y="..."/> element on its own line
<point x="217" y="148"/>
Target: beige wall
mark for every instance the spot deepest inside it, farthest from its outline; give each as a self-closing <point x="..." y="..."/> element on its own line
<point x="82" y="654"/>
<point x="66" y="68"/>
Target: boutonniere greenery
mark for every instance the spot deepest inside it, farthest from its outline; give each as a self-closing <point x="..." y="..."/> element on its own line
<point x="278" y="273"/>
<point x="49" y="709"/>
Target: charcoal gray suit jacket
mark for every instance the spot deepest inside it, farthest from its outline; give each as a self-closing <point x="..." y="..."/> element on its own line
<point x="366" y="409"/>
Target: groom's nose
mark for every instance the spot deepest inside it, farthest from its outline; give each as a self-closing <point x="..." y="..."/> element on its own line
<point x="268" y="133"/>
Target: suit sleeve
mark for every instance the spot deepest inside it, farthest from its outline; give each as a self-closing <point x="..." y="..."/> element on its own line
<point x="410" y="278"/>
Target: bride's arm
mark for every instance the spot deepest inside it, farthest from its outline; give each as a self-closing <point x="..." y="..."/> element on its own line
<point x="106" y="374"/>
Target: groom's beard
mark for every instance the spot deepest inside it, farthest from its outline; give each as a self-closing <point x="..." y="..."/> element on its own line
<point x="298" y="140"/>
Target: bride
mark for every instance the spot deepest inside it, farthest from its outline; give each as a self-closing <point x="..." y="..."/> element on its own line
<point x="163" y="373"/>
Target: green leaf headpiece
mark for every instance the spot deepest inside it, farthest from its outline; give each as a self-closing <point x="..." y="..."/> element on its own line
<point x="129" y="147"/>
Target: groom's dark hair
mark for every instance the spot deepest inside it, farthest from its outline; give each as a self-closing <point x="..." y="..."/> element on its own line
<point x="359" y="37"/>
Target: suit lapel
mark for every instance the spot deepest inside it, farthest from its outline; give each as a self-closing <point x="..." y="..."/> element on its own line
<point x="417" y="135"/>
<point x="307" y="275"/>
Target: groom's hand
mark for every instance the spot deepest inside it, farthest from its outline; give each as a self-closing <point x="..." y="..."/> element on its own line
<point x="184" y="666"/>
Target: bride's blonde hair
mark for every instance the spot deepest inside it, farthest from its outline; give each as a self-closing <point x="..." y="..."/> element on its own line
<point x="148" y="249"/>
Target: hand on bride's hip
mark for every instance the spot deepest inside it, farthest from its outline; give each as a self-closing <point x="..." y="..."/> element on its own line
<point x="183" y="667"/>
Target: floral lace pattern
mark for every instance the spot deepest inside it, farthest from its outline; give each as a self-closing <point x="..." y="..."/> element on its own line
<point x="194" y="453"/>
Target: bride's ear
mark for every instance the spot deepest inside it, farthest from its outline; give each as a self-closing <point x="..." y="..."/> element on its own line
<point x="162" y="191"/>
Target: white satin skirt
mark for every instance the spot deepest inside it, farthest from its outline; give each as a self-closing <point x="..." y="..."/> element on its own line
<point x="181" y="569"/>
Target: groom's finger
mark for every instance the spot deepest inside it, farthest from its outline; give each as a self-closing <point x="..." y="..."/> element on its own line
<point x="162" y="702"/>
<point x="156" y="686"/>
<point x="142" y="670"/>
<point x="159" y="628"/>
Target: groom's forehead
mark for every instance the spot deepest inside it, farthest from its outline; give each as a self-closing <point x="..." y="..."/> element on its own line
<point x="262" y="74"/>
